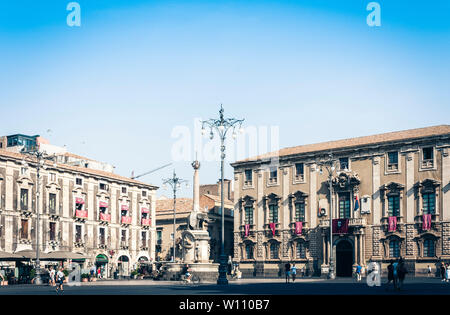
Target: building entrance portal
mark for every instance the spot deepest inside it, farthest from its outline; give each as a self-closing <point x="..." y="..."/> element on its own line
<point x="344" y="259"/>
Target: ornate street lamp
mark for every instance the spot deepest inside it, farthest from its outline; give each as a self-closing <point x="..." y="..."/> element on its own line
<point x="175" y="182"/>
<point x="38" y="157"/>
<point x="330" y="166"/>
<point x="221" y="126"/>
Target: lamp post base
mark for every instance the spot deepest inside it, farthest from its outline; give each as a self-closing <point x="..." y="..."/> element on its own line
<point x="38" y="279"/>
<point x="222" y="270"/>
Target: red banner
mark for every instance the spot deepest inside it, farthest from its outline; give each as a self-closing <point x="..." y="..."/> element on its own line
<point x="247" y="229"/>
<point x="103" y="204"/>
<point x="126" y="220"/>
<point x="426" y="222"/>
<point x="81" y="213"/>
<point x="298" y="228"/>
<point x="340" y="226"/>
<point x="79" y="201"/>
<point x="124" y="207"/>
<point x="146" y="222"/>
<point x="145" y="210"/>
<point x="272" y="227"/>
<point x="105" y="217"/>
<point x="392" y="224"/>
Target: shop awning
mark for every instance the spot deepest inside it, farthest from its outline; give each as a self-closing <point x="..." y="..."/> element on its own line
<point x="31" y="254"/>
<point x="101" y="258"/>
<point x="63" y="255"/>
<point x="5" y="256"/>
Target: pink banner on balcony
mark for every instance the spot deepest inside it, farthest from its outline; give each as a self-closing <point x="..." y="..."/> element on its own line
<point x="426" y="222"/>
<point x="340" y="226"/>
<point x="124" y="208"/>
<point x="105" y="217"/>
<point x="81" y="213"/>
<point x="145" y="221"/>
<point x="246" y="229"/>
<point x="392" y="224"/>
<point x="126" y="220"/>
<point x="298" y="228"/>
<point x="103" y="204"/>
<point x="145" y="210"/>
<point x="272" y="227"/>
<point x="79" y="201"/>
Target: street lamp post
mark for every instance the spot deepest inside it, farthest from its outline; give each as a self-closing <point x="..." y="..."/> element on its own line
<point x="221" y="126"/>
<point x="40" y="157"/>
<point x="175" y="182"/>
<point x="330" y="166"/>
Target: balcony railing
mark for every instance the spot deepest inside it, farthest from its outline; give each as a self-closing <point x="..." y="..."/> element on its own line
<point x="105" y="217"/>
<point x="356" y="222"/>
<point x="146" y="222"/>
<point x="427" y="163"/>
<point x="126" y="220"/>
<point x="82" y="214"/>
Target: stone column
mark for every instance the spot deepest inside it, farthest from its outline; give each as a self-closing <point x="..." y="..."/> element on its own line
<point x="376" y="201"/>
<point x="445" y="212"/>
<point x="409" y="189"/>
<point x="196" y="185"/>
<point x="285" y="217"/>
<point x="313" y="196"/>
<point x="238" y="215"/>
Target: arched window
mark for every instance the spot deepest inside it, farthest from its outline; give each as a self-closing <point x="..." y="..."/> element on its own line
<point x="249" y="251"/>
<point x="428" y="248"/>
<point x="300" y="250"/>
<point x="394" y="248"/>
<point x="274" y="250"/>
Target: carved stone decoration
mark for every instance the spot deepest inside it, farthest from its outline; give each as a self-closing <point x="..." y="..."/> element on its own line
<point x="376" y="241"/>
<point x="236" y="245"/>
<point x="285" y="243"/>
<point x="409" y="240"/>
<point x="446" y="238"/>
<point x="345" y="180"/>
<point x="259" y="244"/>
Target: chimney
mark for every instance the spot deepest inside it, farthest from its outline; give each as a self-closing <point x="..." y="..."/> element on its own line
<point x="196" y="186"/>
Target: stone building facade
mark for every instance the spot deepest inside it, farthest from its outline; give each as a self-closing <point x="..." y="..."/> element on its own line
<point x="107" y="218"/>
<point x="390" y="199"/>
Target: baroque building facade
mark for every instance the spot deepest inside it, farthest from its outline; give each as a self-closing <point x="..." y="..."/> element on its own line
<point x="390" y="199"/>
<point x="106" y="218"/>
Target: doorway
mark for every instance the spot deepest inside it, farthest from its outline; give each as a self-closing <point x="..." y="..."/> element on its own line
<point x="344" y="259"/>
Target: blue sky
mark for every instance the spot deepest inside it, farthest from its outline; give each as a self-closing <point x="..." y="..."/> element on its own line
<point x="114" y="88"/>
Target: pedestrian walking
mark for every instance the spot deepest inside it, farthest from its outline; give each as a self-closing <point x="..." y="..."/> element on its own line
<point x="429" y="271"/>
<point x="447" y="273"/>
<point x="287" y="269"/>
<point x="99" y="272"/>
<point x="52" y="274"/>
<point x="358" y="272"/>
<point x="390" y="269"/>
<point x="395" y="274"/>
<point x="293" y="272"/>
<point x="442" y="271"/>
<point x="402" y="271"/>
<point x="60" y="277"/>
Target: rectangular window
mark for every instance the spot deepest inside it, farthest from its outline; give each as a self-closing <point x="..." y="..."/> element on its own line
<point x="273" y="175"/>
<point x="248" y="177"/>
<point x="23" y="199"/>
<point x="23" y="171"/>
<point x="300" y="212"/>
<point x="273" y="213"/>
<point x="429" y="203"/>
<point x="124" y="236"/>
<point x="343" y="163"/>
<point x="300" y="250"/>
<point x="78" y="234"/>
<point x="427" y="157"/>
<point x="392" y="161"/>
<point x="144" y="193"/>
<point x="394" y="206"/>
<point x="52" y="231"/>
<point x="248" y="215"/>
<point x="103" y="186"/>
<point x="124" y="190"/>
<point x="79" y="181"/>
<point x="101" y="236"/>
<point x="344" y="205"/>
<point x="144" y="238"/>
<point x="274" y="251"/>
<point x="52" y="177"/>
<point x="249" y="251"/>
<point x="52" y="203"/>
<point x="299" y="171"/>
<point x="24" y="229"/>
<point x="158" y="235"/>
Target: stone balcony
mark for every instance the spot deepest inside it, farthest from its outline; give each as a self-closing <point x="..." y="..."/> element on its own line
<point x="352" y="222"/>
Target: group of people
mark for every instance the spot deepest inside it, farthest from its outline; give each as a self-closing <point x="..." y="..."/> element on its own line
<point x="396" y="274"/>
<point x="444" y="271"/>
<point x="56" y="278"/>
<point x="291" y="271"/>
